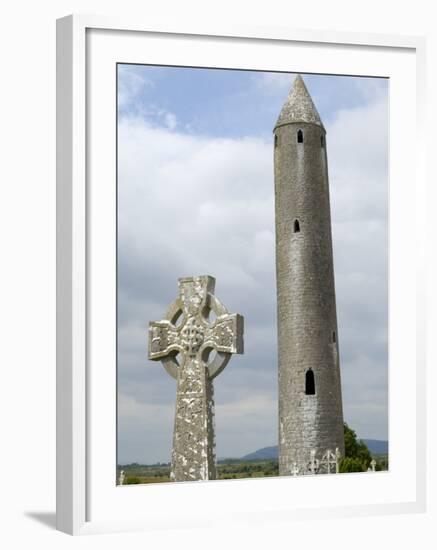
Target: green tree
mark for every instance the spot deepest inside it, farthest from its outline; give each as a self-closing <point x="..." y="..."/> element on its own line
<point x="350" y="465"/>
<point x="357" y="455"/>
<point x="350" y="442"/>
<point x="364" y="455"/>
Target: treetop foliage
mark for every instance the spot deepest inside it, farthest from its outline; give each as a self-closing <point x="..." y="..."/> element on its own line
<point x="357" y="456"/>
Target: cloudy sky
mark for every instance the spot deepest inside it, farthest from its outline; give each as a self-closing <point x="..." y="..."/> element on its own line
<point x="195" y="196"/>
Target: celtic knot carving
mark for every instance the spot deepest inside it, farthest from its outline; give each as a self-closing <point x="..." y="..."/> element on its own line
<point x="192" y="336"/>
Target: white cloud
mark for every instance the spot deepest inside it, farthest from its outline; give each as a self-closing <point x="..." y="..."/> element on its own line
<point x="196" y="203"/>
<point x="254" y="415"/>
<point x="170" y="120"/>
<point x="274" y="83"/>
<point x="131" y="85"/>
<point x="358" y="161"/>
<point x="144" y="430"/>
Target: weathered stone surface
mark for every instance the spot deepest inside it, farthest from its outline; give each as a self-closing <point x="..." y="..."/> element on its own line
<point x="307" y="319"/>
<point x="298" y="106"/>
<point x="187" y="333"/>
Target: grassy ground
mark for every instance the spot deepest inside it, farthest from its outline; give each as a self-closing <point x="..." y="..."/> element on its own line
<point x="226" y="469"/>
<point x="231" y="469"/>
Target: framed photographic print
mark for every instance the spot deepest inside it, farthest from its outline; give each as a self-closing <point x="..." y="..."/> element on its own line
<point x="237" y="313"/>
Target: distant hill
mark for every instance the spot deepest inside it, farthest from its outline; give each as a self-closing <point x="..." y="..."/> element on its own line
<point x="266" y="453"/>
<point x="375" y="446"/>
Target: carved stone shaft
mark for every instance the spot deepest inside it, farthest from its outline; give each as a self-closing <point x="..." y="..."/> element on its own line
<point x="187" y="334"/>
<point x="310" y="403"/>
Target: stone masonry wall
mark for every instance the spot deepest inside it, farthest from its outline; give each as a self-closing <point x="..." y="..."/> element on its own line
<point x="307" y="320"/>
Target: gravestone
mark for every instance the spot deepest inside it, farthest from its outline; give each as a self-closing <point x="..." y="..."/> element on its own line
<point x="185" y="341"/>
<point x="313" y="466"/>
<point x="121" y="478"/>
<point x="330" y="462"/>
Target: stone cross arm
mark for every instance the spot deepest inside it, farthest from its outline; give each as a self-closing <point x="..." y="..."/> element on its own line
<point x="224" y="334"/>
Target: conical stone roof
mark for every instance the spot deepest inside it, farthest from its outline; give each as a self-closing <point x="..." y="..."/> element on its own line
<point x="299" y="106"/>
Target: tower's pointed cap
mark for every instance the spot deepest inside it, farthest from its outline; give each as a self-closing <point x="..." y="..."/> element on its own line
<point x="299" y="106"/>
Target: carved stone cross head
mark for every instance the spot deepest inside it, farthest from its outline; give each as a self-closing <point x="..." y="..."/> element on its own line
<point x="187" y="330"/>
<point x="331" y="461"/>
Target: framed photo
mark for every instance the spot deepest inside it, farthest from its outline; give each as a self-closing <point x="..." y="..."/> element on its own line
<point x="176" y="153"/>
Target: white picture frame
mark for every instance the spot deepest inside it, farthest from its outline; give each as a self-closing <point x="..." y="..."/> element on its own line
<point x="81" y="485"/>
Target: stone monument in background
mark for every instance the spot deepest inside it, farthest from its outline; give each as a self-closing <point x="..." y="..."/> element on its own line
<point x="310" y="402"/>
<point x="185" y="342"/>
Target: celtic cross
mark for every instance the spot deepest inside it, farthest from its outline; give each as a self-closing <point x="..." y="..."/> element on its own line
<point x="331" y="461"/>
<point x="313" y="466"/>
<point x="184" y="342"/>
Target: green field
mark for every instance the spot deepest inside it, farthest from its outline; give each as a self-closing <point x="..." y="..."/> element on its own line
<point x="226" y="469"/>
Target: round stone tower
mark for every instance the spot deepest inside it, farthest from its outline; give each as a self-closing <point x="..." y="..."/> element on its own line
<point x="310" y="404"/>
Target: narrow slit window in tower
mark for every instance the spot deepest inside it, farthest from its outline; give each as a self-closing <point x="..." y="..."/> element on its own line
<point x="322" y="141"/>
<point x="334" y="338"/>
<point x="310" y="385"/>
<point x="300" y="136"/>
<point x="276" y="141"/>
<point x="296" y="227"/>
